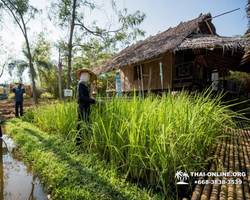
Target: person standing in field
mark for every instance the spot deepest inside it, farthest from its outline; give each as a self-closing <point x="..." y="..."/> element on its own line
<point x="1" y="134"/>
<point x="84" y="100"/>
<point x="19" y="91"/>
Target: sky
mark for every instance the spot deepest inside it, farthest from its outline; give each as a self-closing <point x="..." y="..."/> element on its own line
<point x="160" y="15"/>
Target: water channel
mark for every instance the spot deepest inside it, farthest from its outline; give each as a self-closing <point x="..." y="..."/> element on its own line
<point x="16" y="179"/>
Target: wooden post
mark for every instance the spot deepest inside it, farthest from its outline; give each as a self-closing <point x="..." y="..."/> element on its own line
<point x="142" y="81"/>
<point x="139" y="83"/>
<point x="149" y="80"/>
<point x="59" y="77"/>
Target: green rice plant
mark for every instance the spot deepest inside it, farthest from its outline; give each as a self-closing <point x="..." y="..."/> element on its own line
<point x="149" y="139"/>
<point x="57" y="118"/>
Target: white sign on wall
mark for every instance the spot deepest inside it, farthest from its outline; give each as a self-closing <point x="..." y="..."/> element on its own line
<point x="68" y="92"/>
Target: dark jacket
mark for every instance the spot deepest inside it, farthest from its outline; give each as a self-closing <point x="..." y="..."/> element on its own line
<point x="83" y="95"/>
<point x="18" y="93"/>
<point x="1" y="134"/>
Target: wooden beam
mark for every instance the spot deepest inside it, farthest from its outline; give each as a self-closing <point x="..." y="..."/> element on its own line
<point x="145" y="62"/>
<point x="209" y="28"/>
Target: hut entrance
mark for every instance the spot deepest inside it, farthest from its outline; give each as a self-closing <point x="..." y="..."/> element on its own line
<point x="189" y="74"/>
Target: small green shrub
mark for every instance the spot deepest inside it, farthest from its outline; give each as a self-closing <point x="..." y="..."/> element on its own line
<point x="47" y="95"/>
<point x="11" y="96"/>
<point x="25" y="96"/>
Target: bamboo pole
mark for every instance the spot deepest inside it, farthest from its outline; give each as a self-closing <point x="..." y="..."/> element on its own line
<point x="208" y="187"/>
<point x="246" y="168"/>
<point x="216" y="187"/>
<point x="230" y="190"/>
<point x="138" y="78"/>
<point x="223" y="191"/>
<point x="238" y="167"/>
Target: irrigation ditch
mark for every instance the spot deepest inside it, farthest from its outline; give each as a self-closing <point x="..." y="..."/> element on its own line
<point x="16" y="176"/>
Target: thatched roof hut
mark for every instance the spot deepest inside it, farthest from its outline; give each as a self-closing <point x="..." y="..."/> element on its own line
<point x="199" y="41"/>
<point x="155" y="46"/>
<point x="216" y="52"/>
<point x="246" y="57"/>
<point x="198" y="34"/>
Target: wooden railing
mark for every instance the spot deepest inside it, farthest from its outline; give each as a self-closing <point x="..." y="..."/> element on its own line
<point x="110" y="86"/>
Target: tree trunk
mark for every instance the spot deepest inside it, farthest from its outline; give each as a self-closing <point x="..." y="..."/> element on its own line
<point x="2" y="72"/>
<point x="15" y="12"/>
<point x="70" y="46"/>
<point x="32" y="71"/>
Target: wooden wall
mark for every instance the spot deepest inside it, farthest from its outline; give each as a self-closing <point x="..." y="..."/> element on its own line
<point x="128" y="81"/>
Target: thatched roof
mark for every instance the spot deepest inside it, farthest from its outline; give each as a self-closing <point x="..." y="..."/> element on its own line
<point x="246" y="57"/>
<point x="157" y="45"/>
<point x="199" y="41"/>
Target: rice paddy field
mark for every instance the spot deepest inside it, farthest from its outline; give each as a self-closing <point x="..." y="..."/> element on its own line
<point x="147" y="140"/>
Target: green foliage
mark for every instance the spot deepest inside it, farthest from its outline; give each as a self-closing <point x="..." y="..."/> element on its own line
<point x="237" y="77"/>
<point x="25" y="96"/>
<point x="47" y="95"/>
<point x="65" y="172"/>
<point x="149" y="139"/>
<point x="20" y="65"/>
<point x="11" y="96"/>
<point x="29" y="115"/>
<point x="104" y="83"/>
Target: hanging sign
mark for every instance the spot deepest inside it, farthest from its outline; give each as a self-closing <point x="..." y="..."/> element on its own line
<point x="118" y="83"/>
<point x="68" y="92"/>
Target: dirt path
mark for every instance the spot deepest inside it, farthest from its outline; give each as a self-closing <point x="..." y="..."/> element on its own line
<point x="7" y="107"/>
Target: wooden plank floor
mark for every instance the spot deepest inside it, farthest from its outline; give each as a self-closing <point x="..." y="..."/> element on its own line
<point x="232" y="155"/>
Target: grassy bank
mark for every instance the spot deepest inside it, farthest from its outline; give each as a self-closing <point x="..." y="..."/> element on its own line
<point x="148" y="140"/>
<point x="66" y="173"/>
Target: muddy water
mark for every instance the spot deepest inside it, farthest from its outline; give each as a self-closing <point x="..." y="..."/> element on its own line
<point x="16" y="179"/>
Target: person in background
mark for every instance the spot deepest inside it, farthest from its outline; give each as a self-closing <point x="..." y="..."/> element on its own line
<point x="84" y="100"/>
<point x="19" y="90"/>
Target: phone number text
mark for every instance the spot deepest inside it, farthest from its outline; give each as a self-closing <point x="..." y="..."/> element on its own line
<point x="220" y="182"/>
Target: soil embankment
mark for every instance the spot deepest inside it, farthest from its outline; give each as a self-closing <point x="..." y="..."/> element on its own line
<point x="7" y="107"/>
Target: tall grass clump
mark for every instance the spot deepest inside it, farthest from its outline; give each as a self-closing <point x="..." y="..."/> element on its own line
<point x="148" y="139"/>
<point x="57" y="118"/>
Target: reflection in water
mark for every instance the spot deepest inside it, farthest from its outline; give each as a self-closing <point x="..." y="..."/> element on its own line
<point x="17" y="182"/>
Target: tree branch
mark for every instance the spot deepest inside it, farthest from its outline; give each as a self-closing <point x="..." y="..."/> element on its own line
<point x="13" y="14"/>
<point x="100" y="34"/>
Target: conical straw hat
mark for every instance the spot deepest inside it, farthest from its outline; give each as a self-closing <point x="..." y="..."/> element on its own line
<point x="92" y="77"/>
